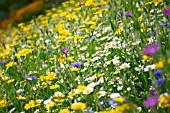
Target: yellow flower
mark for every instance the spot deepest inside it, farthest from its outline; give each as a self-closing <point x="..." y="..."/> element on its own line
<point x="90" y="23"/>
<point x="77" y="37"/>
<point x="49" y="104"/>
<point x="118" y="30"/>
<point x="3" y="103"/>
<point x="23" y="52"/>
<point x="10" y="81"/>
<point x="60" y="41"/>
<point x="168" y="62"/>
<point x="53" y="59"/>
<point x="38" y="102"/>
<point x="140" y="18"/>
<point x="5" y="54"/>
<point x="99" y="75"/>
<point x="50" y="76"/>
<point x="31" y="104"/>
<point x="81" y="87"/>
<point x="58" y="100"/>
<point x="159" y="64"/>
<point x="64" y="111"/>
<point x="54" y="86"/>
<point x="41" y="78"/>
<point x="119" y="99"/>
<point x="78" y="106"/>
<point x="70" y="59"/>
<point x="62" y="59"/>
<point x="146" y="57"/>
<point x="164" y="101"/>
<point x="89" y="3"/>
<point x="71" y="95"/>
<point x="74" y="69"/>
<point x="10" y="64"/>
<point x="1" y="73"/>
<point x="5" y="78"/>
<point x="20" y="98"/>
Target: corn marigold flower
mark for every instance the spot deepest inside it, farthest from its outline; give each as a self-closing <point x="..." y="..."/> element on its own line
<point x="119" y="99"/>
<point x="21" y="98"/>
<point x="151" y="101"/>
<point x="74" y="69"/>
<point x="1" y="73"/>
<point x="168" y="61"/>
<point x="70" y="59"/>
<point x="64" y="111"/>
<point x="81" y="87"/>
<point x="164" y="101"/>
<point x="54" y="86"/>
<point x="3" y="103"/>
<point x="29" y="105"/>
<point x="10" y="81"/>
<point x="10" y="64"/>
<point x="159" y="64"/>
<point x="49" y="104"/>
<point x="78" y="106"/>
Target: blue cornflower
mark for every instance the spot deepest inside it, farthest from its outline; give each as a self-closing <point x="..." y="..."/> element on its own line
<point x="158" y="72"/>
<point x="57" y="73"/>
<point x="31" y="78"/>
<point x="101" y="103"/>
<point x="160" y="81"/>
<point x="164" y="24"/>
<point x="76" y="64"/>
<point x="112" y="103"/>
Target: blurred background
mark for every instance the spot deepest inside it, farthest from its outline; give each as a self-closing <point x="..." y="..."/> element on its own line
<point x="14" y="11"/>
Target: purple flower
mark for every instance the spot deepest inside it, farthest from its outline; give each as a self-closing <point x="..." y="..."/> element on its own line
<point x="151" y="49"/>
<point x="57" y="73"/>
<point x="65" y="50"/>
<point x="31" y="78"/>
<point x="158" y="72"/>
<point x="164" y="23"/>
<point x="153" y="92"/>
<point x="120" y="13"/>
<point x="3" y="62"/>
<point x="68" y="26"/>
<point x="50" y="51"/>
<point x="129" y="14"/>
<point x="101" y="103"/>
<point x="91" y="36"/>
<point x="89" y="76"/>
<point x="75" y="64"/>
<point x="151" y="102"/>
<point x="153" y="33"/>
<point x="166" y="11"/>
<point x="160" y="81"/>
<point x="112" y="103"/>
<point x="88" y="111"/>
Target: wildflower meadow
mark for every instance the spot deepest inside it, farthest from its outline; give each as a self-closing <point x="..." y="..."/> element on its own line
<point x="88" y="56"/>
